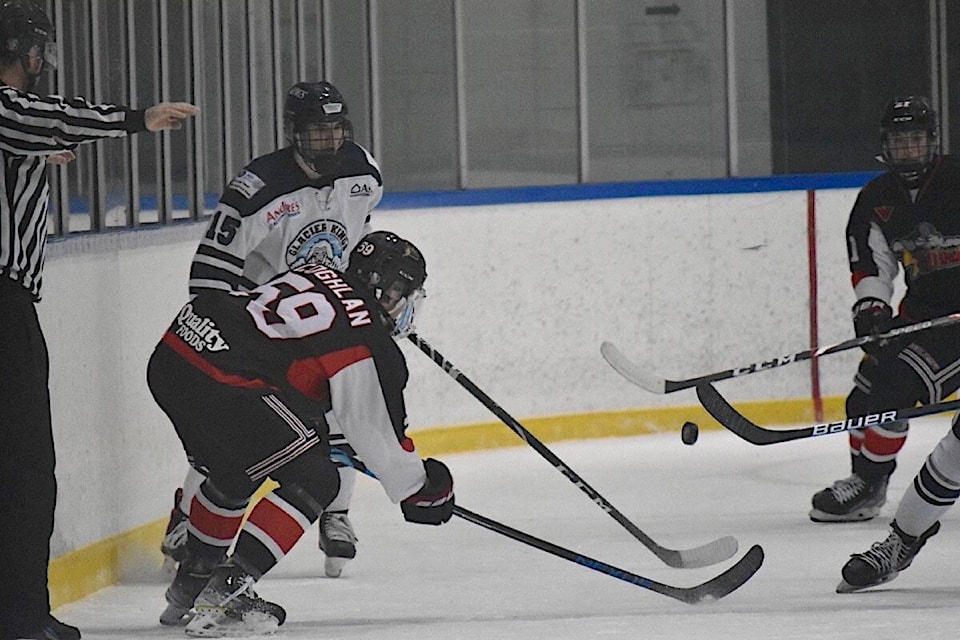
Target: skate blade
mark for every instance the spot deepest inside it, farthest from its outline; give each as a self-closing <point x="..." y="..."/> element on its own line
<point x="175" y="616"/>
<point x="846" y="587"/>
<point x="860" y="515"/>
<point x="333" y="567"/>
<point x="214" y="623"/>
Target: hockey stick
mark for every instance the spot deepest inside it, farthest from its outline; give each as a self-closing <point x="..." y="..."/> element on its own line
<point x="724" y="413"/>
<point x="702" y="556"/>
<point x="640" y="375"/>
<point x="714" y="589"/>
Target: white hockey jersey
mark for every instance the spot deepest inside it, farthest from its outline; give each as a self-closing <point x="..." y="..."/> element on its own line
<point x="273" y="217"/>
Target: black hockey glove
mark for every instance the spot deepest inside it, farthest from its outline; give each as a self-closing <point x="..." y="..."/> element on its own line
<point x="871" y="317"/>
<point x="433" y="504"/>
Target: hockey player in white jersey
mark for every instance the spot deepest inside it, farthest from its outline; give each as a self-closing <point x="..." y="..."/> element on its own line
<point x="307" y="203"/>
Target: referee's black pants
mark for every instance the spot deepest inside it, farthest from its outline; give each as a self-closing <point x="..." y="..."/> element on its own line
<point x="28" y="487"/>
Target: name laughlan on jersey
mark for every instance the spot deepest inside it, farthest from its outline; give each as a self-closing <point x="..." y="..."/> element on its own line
<point x="355" y="307"/>
<point x="199" y="332"/>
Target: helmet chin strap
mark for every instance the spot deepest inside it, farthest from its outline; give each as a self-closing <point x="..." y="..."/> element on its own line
<point x="32" y="81"/>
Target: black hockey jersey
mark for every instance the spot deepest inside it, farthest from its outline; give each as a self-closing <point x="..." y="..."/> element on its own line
<point x="310" y="335"/>
<point x="888" y="225"/>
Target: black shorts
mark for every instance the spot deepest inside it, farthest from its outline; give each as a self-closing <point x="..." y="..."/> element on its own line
<point x="922" y="367"/>
<point x="239" y="435"/>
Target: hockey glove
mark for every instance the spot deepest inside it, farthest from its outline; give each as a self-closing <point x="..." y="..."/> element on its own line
<point x="433" y="504"/>
<point x="871" y="317"/>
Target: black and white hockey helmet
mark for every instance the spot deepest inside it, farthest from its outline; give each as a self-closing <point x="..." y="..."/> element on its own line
<point x="24" y="25"/>
<point x="315" y="122"/>
<point x="394" y="270"/>
<point x="909" y="137"/>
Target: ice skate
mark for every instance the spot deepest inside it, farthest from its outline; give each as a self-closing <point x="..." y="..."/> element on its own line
<point x="192" y="576"/>
<point x="228" y="606"/>
<point x="174" y="542"/>
<point x="852" y="499"/>
<point x="337" y="541"/>
<point x="883" y="561"/>
<point x="53" y="629"/>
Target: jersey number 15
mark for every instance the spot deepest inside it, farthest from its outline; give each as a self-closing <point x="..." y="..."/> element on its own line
<point x="227" y="228"/>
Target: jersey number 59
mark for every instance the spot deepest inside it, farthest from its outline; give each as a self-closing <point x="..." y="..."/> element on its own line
<point x="289" y="307"/>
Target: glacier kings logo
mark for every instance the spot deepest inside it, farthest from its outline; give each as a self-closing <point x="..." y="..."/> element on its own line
<point x="320" y="242"/>
<point x="199" y="332"/>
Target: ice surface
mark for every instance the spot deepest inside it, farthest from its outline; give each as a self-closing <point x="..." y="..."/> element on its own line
<point x="461" y="581"/>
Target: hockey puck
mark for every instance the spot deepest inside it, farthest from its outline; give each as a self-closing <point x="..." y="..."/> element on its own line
<point x="689" y="433"/>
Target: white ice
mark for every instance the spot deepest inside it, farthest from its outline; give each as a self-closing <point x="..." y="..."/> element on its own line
<point x="460" y="581"/>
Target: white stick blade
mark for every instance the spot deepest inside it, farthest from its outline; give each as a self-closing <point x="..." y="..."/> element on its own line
<point x="710" y="553"/>
<point x="630" y="370"/>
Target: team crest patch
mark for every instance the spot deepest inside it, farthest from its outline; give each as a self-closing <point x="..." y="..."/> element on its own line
<point x="883" y="213"/>
<point x="321" y="242"/>
<point x="246" y="184"/>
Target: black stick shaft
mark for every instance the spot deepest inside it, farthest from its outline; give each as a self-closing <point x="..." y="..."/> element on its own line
<point x="670" y="386"/>
<point x="724" y="413"/>
<point x="714" y="589"/>
<point x="675" y="558"/>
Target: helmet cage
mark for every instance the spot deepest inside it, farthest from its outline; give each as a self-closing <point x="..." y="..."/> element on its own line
<point x="315" y="124"/>
<point x="909" y="137"/>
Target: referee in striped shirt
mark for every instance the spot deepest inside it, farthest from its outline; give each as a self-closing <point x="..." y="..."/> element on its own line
<point x="36" y="131"/>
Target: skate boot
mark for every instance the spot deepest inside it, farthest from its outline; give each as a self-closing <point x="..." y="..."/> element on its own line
<point x="337" y="541"/>
<point x="227" y="605"/>
<point x="52" y="629"/>
<point x="175" y="538"/>
<point x="851" y="499"/>
<point x="192" y="576"/>
<point x="883" y="560"/>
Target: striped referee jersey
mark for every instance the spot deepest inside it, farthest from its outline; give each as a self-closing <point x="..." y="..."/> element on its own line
<point x="33" y="127"/>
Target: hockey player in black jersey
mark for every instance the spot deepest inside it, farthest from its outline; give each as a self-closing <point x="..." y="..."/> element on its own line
<point x="240" y="373"/>
<point x="907" y="217"/>
<point x="308" y="203"/>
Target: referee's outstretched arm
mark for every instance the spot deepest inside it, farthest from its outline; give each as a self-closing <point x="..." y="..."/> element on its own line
<point x="36" y="130"/>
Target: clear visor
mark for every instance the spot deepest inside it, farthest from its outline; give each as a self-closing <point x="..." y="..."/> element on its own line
<point x="47" y="52"/>
<point x="402" y="309"/>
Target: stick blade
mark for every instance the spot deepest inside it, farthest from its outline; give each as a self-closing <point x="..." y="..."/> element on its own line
<point x="630" y="370"/>
<point x="725" y="583"/>
<point x="722" y="411"/>
<point x="703" y="556"/>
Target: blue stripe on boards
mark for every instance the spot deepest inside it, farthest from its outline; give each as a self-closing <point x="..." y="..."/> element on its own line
<point x="563" y="193"/>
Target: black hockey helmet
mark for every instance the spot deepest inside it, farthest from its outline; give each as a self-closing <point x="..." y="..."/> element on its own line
<point x="909" y="136"/>
<point x="315" y="123"/>
<point x="394" y="270"/>
<point x="24" y="25"/>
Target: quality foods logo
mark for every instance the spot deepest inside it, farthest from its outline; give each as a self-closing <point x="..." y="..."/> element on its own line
<point x="199" y="332"/>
